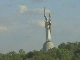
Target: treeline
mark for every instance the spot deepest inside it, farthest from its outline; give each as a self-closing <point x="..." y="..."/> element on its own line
<point x="65" y="51"/>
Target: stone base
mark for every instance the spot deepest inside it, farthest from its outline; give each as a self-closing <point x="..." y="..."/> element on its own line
<point x="47" y="45"/>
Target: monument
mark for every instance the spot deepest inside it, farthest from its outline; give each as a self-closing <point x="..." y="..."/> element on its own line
<point x="48" y="44"/>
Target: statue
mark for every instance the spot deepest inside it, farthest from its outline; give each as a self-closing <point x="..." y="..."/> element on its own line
<point x="48" y="26"/>
<point x="48" y="44"/>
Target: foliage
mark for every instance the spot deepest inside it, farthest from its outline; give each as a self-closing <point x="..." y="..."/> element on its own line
<point x="65" y="51"/>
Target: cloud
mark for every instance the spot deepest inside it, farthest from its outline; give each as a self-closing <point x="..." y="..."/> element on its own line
<point x="40" y="23"/>
<point x="3" y="28"/>
<point x="22" y="8"/>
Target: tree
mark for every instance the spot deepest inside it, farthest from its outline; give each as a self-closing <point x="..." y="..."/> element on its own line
<point x="64" y="54"/>
<point x="21" y="51"/>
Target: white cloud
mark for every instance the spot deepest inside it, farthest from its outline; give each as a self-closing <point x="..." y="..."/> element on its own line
<point x="40" y="23"/>
<point x="22" y="8"/>
<point x="3" y="28"/>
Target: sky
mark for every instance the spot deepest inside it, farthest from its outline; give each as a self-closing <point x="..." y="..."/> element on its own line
<point x="22" y="23"/>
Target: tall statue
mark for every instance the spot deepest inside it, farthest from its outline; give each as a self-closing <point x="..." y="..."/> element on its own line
<point x="48" y="44"/>
<point x="48" y="26"/>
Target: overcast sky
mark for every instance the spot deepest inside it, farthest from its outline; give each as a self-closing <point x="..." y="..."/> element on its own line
<point x="22" y="23"/>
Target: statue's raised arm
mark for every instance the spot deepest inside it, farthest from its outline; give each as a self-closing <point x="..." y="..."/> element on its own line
<point x="44" y="14"/>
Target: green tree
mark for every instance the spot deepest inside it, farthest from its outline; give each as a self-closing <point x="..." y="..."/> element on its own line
<point x="64" y="54"/>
